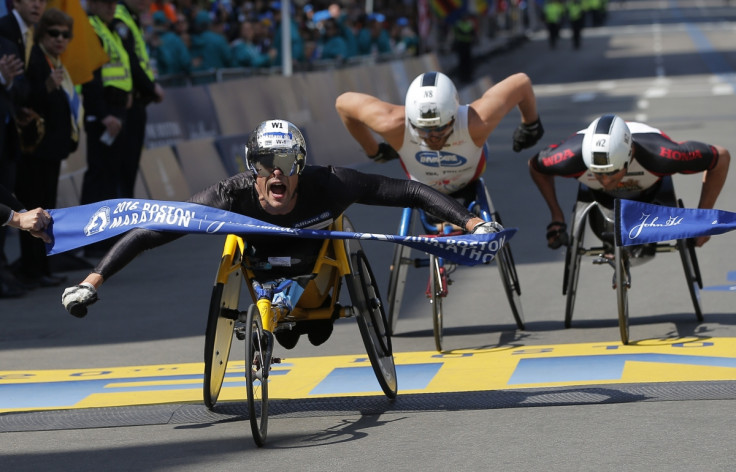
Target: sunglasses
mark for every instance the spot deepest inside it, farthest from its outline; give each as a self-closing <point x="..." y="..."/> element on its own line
<point x="264" y="164"/>
<point x="55" y="33"/>
<point x="434" y="132"/>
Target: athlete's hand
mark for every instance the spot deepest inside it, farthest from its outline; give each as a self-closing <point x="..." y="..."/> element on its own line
<point x="385" y="153"/>
<point x="487" y="227"/>
<point x="76" y="299"/>
<point x="527" y="135"/>
<point x="557" y="235"/>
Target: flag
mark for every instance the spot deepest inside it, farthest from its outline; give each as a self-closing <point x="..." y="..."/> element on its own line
<point x="79" y="226"/>
<point x="84" y="54"/>
<point x="641" y="223"/>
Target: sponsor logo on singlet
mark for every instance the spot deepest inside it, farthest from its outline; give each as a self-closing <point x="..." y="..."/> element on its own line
<point x="440" y="159"/>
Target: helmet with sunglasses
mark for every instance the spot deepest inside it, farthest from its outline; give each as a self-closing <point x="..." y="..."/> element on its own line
<point x="607" y="145"/>
<point x="276" y="144"/>
<point x="431" y="101"/>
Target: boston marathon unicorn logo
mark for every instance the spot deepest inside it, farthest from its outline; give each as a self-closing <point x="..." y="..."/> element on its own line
<point x="98" y="222"/>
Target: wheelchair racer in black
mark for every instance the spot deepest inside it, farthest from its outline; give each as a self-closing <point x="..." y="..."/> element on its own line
<point x="613" y="159"/>
<point x="279" y="188"/>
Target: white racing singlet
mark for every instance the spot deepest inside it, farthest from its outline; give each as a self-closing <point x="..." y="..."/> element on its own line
<point x="460" y="161"/>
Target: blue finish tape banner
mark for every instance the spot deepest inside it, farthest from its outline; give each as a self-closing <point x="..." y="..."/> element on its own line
<point x="640" y="223"/>
<point x="79" y="226"/>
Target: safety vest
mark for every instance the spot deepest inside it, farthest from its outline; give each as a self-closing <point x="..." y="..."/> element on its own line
<point x="122" y="14"/>
<point x="553" y="11"/>
<point x="116" y="72"/>
<point x="574" y="10"/>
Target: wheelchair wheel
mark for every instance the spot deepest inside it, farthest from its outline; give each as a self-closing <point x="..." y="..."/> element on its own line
<point x="256" y="383"/>
<point x="511" y="286"/>
<point x="510" y="279"/>
<point x="686" y="248"/>
<point x="622" y="289"/>
<point x="219" y="335"/>
<point x="436" y="294"/>
<point x="396" y="285"/>
<point x="572" y="270"/>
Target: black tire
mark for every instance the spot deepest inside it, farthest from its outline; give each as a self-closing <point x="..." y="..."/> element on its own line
<point x="622" y="290"/>
<point x="507" y="269"/>
<point x="371" y="317"/>
<point x="219" y="335"/>
<point x="256" y="383"/>
<point x="511" y="286"/>
<point x="686" y="248"/>
<point x="435" y="299"/>
<point x="396" y="285"/>
<point x="373" y="325"/>
<point x="572" y="270"/>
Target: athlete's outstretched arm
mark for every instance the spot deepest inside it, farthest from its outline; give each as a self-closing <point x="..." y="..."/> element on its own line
<point x="363" y="114"/>
<point x="713" y="181"/>
<point x="498" y="101"/>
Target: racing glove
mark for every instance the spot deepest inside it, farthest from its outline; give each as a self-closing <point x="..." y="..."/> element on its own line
<point x="385" y="153"/>
<point x="557" y="235"/>
<point x="487" y="227"/>
<point x="76" y="299"/>
<point x="527" y="135"/>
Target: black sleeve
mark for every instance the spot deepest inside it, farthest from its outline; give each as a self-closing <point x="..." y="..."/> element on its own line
<point x="373" y="189"/>
<point x="663" y="156"/>
<point x="564" y="159"/>
<point x="7" y="203"/>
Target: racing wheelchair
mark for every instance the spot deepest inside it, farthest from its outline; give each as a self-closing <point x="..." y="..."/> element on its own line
<point x="338" y="261"/>
<point x="479" y="202"/>
<point x="592" y="210"/>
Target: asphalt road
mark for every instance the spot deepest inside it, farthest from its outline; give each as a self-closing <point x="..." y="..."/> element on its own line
<point x="671" y="64"/>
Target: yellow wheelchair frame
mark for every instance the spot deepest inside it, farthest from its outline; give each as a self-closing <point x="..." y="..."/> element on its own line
<point x="337" y="261"/>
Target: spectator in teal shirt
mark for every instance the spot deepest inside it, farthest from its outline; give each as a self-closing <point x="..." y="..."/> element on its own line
<point x="245" y="52"/>
<point x="171" y="54"/>
<point x="333" y="44"/>
<point x="374" y="37"/>
<point x="209" y="50"/>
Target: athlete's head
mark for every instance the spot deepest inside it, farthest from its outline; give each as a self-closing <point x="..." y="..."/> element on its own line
<point x="431" y="107"/>
<point x="276" y="153"/>
<point x="276" y="144"/>
<point x="607" y="149"/>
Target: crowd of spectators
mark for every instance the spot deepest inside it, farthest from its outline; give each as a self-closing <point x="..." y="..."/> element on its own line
<point x="187" y="37"/>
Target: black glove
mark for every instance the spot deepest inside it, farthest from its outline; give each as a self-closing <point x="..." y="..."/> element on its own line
<point x="385" y="153"/>
<point x="557" y="232"/>
<point x="526" y="136"/>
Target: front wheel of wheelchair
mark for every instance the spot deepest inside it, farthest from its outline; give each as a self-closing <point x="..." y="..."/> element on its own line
<point x="622" y="289"/>
<point x="435" y="298"/>
<point x="510" y="280"/>
<point x="372" y="322"/>
<point x="572" y="270"/>
<point x="396" y="285"/>
<point x="686" y="248"/>
<point x="219" y="335"/>
<point x="256" y="381"/>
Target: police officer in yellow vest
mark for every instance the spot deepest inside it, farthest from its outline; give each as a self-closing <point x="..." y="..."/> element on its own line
<point x="554" y="12"/>
<point x="107" y="98"/>
<point x="577" y="20"/>
<point x="145" y="88"/>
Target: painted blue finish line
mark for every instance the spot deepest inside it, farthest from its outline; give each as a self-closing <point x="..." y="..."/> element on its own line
<point x="592" y="368"/>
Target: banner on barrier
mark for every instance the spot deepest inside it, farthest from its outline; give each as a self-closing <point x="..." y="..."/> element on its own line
<point x="641" y="223"/>
<point x="79" y="226"/>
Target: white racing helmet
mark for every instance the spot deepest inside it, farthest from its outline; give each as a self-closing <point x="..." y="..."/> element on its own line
<point x="607" y="145"/>
<point x="276" y="144"/>
<point x="431" y="100"/>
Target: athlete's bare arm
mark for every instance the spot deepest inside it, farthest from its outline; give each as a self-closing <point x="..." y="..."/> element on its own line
<point x="362" y="113"/>
<point x="487" y="112"/>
